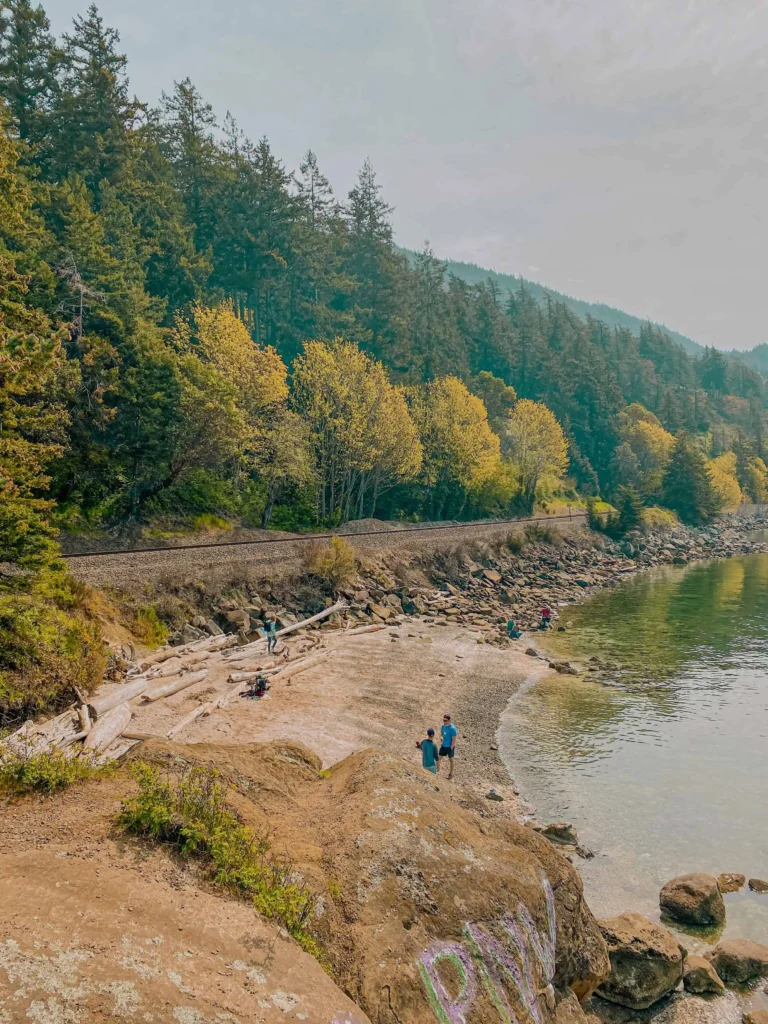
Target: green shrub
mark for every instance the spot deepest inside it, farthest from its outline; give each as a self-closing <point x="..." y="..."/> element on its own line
<point x="148" y="627"/>
<point x="189" y="810"/>
<point x="514" y="543"/>
<point x="334" y="565"/>
<point x="45" y="652"/>
<point x="657" y="518"/>
<point x="535" y="533"/>
<point x="47" y="772"/>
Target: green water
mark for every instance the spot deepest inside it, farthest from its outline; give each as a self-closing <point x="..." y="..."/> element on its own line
<point x="662" y="767"/>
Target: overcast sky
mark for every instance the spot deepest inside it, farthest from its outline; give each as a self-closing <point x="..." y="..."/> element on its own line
<point x="612" y="149"/>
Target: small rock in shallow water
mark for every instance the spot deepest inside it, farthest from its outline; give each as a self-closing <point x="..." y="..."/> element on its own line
<point x="758" y="885"/>
<point x="731" y="881"/>
<point x="646" y="961"/>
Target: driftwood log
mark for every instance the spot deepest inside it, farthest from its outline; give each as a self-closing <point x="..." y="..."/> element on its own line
<point x="300" y="666"/>
<point x="168" y="689"/>
<point x="373" y="628"/>
<point x="339" y="606"/>
<point x="202" y="709"/>
<point x="107" y="728"/>
<point x="126" y="692"/>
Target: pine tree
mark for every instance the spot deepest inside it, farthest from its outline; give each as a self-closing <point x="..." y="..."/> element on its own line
<point x="28" y="60"/>
<point x="92" y="111"/>
<point x="687" y="487"/>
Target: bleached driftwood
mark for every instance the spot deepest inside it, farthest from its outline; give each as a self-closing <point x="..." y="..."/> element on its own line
<point x="168" y="689"/>
<point x="33" y="739"/>
<point x="84" y="718"/>
<point x="373" y="628"/>
<point x="300" y="666"/>
<point x="99" y="706"/>
<point x="108" y="727"/>
<point x="172" y="667"/>
<point x="298" y="625"/>
<point x="200" y="710"/>
<point x="118" y="748"/>
<point x="139" y="734"/>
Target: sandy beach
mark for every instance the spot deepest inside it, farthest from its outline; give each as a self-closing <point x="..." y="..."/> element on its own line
<point x="381" y="689"/>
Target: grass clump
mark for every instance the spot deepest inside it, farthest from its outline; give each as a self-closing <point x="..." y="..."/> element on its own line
<point x="659" y="519"/>
<point x="514" y="543"/>
<point x="335" y="565"/>
<point x="208" y="521"/>
<point x="47" y="772"/>
<point x="148" y="626"/>
<point x="189" y="810"/>
<point x="535" y="533"/>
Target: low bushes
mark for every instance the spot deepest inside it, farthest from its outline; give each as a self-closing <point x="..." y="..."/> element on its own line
<point x="45" y="652"/>
<point x="334" y="565"/>
<point x="46" y="772"/>
<point x="189" y="810"/>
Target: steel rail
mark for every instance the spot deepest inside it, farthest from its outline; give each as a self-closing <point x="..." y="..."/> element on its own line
<point x="426" y="528"/>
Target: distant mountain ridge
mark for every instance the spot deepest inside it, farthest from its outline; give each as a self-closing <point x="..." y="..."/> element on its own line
<point x="474" y="274"/>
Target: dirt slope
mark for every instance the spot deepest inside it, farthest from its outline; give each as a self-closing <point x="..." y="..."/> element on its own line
<point x="95" y="928"/>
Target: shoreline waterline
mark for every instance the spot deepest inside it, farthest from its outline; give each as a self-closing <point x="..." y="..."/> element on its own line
<point x="657" y="776"/>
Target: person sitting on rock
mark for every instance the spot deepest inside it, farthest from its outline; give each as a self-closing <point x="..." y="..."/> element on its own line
<point x="429" y="752"/>
<point x="512" y="631"/>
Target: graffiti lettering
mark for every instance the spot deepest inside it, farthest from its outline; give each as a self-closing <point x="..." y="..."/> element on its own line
<point x="519" y="965"/>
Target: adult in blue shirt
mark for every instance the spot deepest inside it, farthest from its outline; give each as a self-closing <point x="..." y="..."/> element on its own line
<point x="448" y="734"/>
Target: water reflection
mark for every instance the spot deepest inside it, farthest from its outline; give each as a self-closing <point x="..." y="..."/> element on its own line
<point x="663" y="770"/>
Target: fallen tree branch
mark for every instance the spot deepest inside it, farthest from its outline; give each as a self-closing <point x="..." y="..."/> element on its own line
<point x="125" y="692"/>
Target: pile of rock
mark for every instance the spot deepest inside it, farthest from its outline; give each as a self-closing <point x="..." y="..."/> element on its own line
<point x="648" y="962"/>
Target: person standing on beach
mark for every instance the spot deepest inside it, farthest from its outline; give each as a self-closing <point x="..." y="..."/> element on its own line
<point x="448" y="733"/>
<point x="429" y="752"/>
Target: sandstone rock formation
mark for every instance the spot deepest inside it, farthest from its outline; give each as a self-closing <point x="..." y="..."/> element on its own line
<point x="731" y="881"/>
<point x="693" y="899"/>
<point x="699" y="976"/>
<point x="646" y="961"/>
<point x="431" y="909"/>
<point x="738" y="961"/>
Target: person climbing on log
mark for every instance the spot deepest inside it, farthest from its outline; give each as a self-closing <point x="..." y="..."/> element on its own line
<point x="270" y="625"/>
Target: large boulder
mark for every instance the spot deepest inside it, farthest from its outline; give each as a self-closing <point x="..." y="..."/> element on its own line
<point x="693" y="899"/>
<point x="646" y="961"/>
<point x="738" y="961"/>
<point x="699" y="976"/>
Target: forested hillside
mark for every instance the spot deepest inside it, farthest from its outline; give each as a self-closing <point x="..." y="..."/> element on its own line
<point x="190" y="329"/>
<point x="609" y="315"/>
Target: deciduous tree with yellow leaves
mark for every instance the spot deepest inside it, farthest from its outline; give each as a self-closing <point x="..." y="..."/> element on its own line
<point x="362" y="435"/>
<point x="535" y="444"/>
<point x="461" y="452"/>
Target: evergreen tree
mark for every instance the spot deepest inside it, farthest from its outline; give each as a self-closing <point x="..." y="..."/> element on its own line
<point x="28" y="60"/>
<point x="687" y="487"/>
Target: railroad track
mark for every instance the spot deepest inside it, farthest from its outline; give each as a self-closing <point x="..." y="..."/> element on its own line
<point x="398" y="531"/>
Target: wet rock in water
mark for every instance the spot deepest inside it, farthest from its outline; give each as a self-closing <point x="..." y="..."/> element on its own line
<point x="738" y="961"/>
<point x="699" y="976"/>
<point x="758" y="885"/>
<point x="693" y="899"/>
<point x="731" y="881"/>
<point x="646" y="961"/>
<point x="558" y="832"/>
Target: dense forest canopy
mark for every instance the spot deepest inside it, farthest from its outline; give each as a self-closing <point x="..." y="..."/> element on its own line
<point x="191" y="329"/>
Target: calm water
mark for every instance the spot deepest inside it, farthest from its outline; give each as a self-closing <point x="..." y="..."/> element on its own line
<point x="665" y="770"/>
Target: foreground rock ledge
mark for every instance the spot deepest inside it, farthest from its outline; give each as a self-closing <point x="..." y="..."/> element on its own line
<point x="429" y="908"/>
<point x="646" y="961"/>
